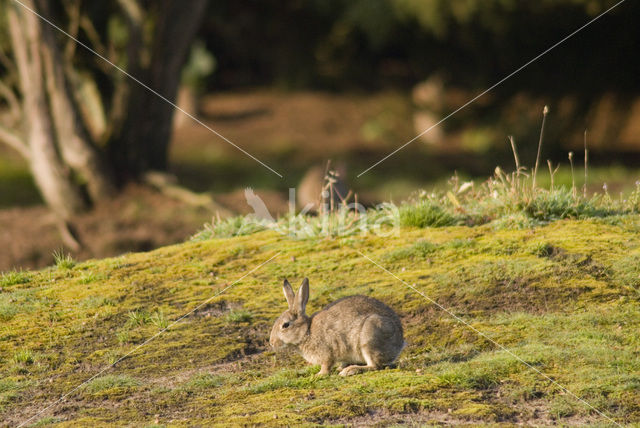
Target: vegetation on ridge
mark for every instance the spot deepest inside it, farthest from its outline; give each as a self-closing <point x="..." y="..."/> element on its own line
<point x="562" y="296"/>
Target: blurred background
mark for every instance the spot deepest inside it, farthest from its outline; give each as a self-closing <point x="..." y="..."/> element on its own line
<point x="93" y="163"/>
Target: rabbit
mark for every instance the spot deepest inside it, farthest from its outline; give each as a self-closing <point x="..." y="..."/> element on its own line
<point x="359" y="333"/>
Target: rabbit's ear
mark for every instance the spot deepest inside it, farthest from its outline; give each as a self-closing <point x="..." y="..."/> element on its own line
<point x="302" y="297"/>
<point x="288" y="293"/>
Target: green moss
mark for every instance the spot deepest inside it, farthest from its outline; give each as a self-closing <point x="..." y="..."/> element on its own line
<point x="286" y="379"/>
<point x="9" y="392"/>
<point x="420" y="249"/>
<point x="408" y="405"/>
<point x="484" y="412"/>
<point x="562" y="407"/>
<point x="111" y="384"/>
<point x="90" y="277"/>
<point x="204" y="381"/>
<point x="49" y="420"/>
<point x="7" y="309"/>
<point x="560" y="296"/>
<point x="625" y="272"/>
<point x="94" y="302"/>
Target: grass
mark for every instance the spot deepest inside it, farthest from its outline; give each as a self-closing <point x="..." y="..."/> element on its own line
<point x="561" y="294"/>
<point x="94" y="302"/>
<point x="9" y="392"/>
<point x="64" y="261"/>
<point x="204" y="381"/>
<point x="159" y="319"/>
<point x="88" y="277"/>
<point x="108" y="383"/>
<point x="24" y="356"/>
<point x="285" y="379"/>
<point x="14" y="277"/>
<point x="420" y="249"/>
<point x="506" y="201"/>
<point x="138" y="317"/>
<point x="339" y="222"/>
<point x="239" y="316"/>
<point x="426" y="213"/>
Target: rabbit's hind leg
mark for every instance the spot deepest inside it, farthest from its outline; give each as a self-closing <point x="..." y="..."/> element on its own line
<point x="355" y="369"/>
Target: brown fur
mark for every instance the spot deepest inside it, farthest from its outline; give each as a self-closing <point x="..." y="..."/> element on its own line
<point x="357" y="332"/>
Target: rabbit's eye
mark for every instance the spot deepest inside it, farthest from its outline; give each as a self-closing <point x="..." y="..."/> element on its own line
<point x="285" y="325"/>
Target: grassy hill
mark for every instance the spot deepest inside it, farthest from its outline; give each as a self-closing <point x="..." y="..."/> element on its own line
<point x="564" y="297"/>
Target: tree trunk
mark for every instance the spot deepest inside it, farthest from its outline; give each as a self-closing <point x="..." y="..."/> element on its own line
<point x="53" y="179"/>
<point x="63" y="158"/>
<point x="76" y="146"/>
<point x="143" y="144"/>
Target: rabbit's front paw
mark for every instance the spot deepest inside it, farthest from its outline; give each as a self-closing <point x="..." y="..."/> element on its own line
<point x="325" y="369"/>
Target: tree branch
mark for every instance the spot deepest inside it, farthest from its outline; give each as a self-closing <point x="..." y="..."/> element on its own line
<point x="12" y="101"/>
<point x="6" y="61"/>
<point x="132" y="9"/>
<point x="73" y="11"/>
<point x="120" y="97"/>
<point x="94" y="38"/>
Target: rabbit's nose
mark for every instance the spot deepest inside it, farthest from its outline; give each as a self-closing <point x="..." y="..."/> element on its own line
<point x="275" y="342"/>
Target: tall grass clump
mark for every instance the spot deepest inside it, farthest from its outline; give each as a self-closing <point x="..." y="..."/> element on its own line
<point x="138" y="318"/>
<point x="239" y="316"/>
<point x="23" y="356"/>
<point x="427" y="213"/>
<point x="228" y="228"/>
<point x="159" y="319"/>
<point x="344" y="217"/>
<point x="509" y="195"/>
<point x="62" y="260"/>
<point x="507" y="200"/>
<point x="107" y="382"/>
<point x="563" y="203"/>
<point x="14" y="278"/>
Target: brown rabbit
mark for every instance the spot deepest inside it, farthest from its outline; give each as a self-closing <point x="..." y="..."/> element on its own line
<point x="357" y="332"/>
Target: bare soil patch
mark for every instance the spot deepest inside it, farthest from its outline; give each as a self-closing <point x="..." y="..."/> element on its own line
<point x="139" y="219"/>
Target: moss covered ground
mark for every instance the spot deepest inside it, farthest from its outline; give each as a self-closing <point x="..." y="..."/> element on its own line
<point x="563" y="297"/>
